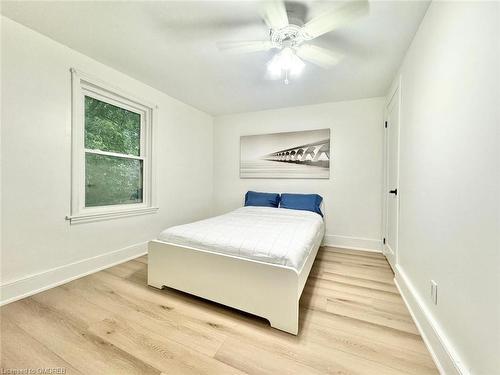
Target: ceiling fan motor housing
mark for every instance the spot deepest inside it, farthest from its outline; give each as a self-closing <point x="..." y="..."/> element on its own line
<point x="288" y="36"/>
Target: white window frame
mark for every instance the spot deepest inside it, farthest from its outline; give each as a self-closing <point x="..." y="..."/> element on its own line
<point x="84" y="85"/>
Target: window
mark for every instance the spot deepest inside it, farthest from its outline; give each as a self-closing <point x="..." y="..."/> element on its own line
<point x="111" y="149"/>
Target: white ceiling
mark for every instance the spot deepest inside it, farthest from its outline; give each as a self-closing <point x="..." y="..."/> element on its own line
<point x="171" y="46"/>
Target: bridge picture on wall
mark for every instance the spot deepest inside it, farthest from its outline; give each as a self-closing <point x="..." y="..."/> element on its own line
<point x="299" y="154"/>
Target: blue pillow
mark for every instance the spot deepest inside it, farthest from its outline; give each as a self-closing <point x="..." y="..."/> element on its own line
<point x="254" y="198"/>
<point x="305" y="202"/>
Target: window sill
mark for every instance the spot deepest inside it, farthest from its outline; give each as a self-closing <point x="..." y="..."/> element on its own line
<point x="88" y="218"/>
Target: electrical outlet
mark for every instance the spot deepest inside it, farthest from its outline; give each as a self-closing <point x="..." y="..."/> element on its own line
<point x="434" y="292"/>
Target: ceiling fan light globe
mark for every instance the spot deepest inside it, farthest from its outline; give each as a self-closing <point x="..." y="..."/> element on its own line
<point x="286" y="58"/>
<point x="285" y="62"/>
<point x="297" y="67"/>
<point x="290" y="62"/>
<point x="274" y="67"/>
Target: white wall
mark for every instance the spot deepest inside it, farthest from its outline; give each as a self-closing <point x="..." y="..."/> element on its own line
<point x="449" y="182"/>
<point x="352" y="195"/>
<point x="36" y="124"/>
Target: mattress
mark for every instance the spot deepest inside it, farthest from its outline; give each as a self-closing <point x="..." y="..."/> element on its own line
<point x="271" y="235"/>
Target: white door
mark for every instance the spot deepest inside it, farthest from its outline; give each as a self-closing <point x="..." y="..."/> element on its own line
<point x="391" y="193"/>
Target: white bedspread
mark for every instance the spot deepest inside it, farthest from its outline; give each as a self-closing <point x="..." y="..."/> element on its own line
<point x="271" y="235"/>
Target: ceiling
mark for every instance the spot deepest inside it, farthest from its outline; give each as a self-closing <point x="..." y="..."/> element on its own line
<point x="171" y="46"/>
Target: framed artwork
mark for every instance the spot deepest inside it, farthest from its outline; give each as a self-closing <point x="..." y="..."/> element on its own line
<point x="300" y="154"/>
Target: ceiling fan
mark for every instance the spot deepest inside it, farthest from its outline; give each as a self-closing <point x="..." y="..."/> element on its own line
<point x="292" y="37"/>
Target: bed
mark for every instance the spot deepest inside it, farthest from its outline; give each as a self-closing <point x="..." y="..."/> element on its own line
<point x="255" y="259"/>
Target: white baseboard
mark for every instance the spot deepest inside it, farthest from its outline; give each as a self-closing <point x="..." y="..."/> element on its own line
<point x="36" y="283"/>
<point x="354" y="243"/>
<point x="440" y="347"/>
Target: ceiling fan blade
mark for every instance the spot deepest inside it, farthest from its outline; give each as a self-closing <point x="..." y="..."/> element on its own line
<point x="274" y="14"/>
<point x="245" y="46"/>
<point x="335" y="18"/>
<point x="319" y="56"/>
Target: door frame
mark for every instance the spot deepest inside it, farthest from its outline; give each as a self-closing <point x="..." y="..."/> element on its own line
<point x="394" y="93"/>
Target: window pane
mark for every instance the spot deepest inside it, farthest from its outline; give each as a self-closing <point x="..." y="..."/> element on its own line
<point x="112" y="180"/>
<point x="110" y="128"/>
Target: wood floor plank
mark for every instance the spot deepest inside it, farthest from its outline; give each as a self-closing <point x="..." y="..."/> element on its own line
<point x="299" y="354"/>
<point x="375" y="268"/>
<point x="352" y="259"/>
<point x="358" y="310"/>
<point x="355" y="327"/>
<point x="358" y="253"/>
<point x="134" y="271"/>
<point x="367" y="265"/>
<point x="70" y="305"/>
<point x="153" y="316"/>
<point x="388" y="286"/>
<point x="358" y="290"/>
<point x="157" y="349"/>
<point x="252" y="359"/>
<point x="368" y="348"/>
<point x="72" y="342"/>
<point x="20" y="350"/>
<point x="392" y="306"/>
<point x="364" y="272"/>
<point x="267" y="339"/>
<point x="143" y="259"/>
<point x="370" y="313"/>
<point x="352" y="321"/>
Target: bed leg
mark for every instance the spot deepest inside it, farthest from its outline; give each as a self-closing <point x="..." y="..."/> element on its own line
<point x="288" y="322"/>
<point x="155" y="284"/>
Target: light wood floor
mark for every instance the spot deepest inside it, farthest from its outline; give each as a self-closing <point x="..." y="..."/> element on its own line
<point x="353" y="321"/>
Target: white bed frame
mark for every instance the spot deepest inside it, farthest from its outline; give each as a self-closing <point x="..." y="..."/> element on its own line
<point x="268" y="290"/>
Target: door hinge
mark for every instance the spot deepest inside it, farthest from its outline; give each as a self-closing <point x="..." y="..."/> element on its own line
<point x="385" y="125"/>
<point x="383" y="240"/>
